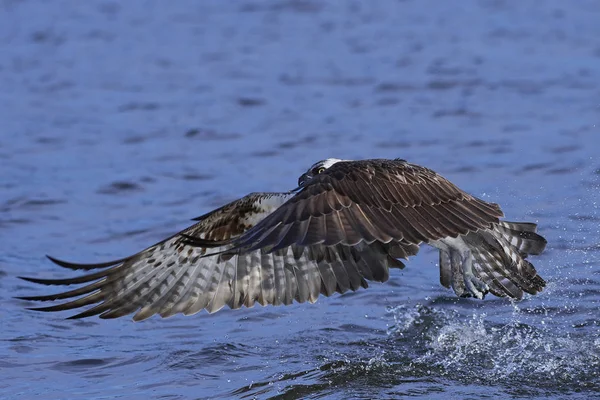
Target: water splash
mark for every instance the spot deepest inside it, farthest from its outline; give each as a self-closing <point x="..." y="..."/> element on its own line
<point x="474" y="348"/>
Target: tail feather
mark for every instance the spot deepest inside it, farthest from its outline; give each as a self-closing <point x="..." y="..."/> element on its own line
<point x="499" y="258"/>
<point x="522" y="271"/>
<point x="523" y="237"/>
<point x="519" y="226"/>
<point x="490" y="266"/>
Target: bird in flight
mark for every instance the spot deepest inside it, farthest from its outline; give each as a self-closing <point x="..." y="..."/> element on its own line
<point x="348" y="222"/>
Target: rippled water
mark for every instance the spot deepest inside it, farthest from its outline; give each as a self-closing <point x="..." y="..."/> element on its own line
<point x="120" y="121"/>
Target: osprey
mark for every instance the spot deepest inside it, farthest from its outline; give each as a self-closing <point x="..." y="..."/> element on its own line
<point x="348" y="222"/>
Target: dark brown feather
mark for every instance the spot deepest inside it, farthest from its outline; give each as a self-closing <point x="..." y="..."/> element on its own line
<point x="382" y="200"/>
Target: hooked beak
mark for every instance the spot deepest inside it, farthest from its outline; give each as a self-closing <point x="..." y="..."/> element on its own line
<point x="303" y="179"/>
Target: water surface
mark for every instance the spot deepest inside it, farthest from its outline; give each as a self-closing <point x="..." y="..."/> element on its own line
<point x="121" y="121"/>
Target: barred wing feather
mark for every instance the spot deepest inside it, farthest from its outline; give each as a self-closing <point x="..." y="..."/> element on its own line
<point x="175" y="276"/>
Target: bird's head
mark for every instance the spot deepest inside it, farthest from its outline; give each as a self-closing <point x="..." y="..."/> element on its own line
<point x="316" y="169"/>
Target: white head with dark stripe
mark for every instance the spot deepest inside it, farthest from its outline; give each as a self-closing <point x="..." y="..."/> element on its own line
<point x="316" y="169"/>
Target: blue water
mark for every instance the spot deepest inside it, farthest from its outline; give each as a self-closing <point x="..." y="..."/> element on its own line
<point x="120" y="121"/>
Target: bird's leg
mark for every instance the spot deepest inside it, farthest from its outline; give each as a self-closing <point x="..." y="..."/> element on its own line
<point x="458" y="281"/>
<point x="463" y="281"/>
<point x="477" y="287"/>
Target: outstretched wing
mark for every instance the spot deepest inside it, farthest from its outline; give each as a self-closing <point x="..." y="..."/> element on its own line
<point x="370" y="201"/>
<point x="173" y="276"/>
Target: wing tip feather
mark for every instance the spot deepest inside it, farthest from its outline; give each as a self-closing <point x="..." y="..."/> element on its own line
<point x="76" y="266"/>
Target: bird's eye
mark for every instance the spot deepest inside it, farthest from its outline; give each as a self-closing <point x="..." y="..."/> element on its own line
<point x="320" y="170"/>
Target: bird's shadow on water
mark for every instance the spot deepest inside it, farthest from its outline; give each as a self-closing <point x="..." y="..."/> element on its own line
<point x="433" y="349"/>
